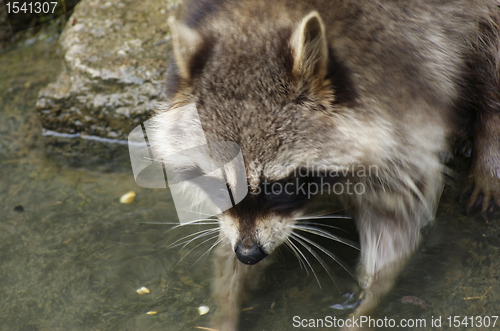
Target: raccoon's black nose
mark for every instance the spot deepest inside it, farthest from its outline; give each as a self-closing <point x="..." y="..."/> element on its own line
<point x="249" y="255"/>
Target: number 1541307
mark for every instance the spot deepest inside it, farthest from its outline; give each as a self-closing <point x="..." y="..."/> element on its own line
<point x="14" y="7"/>
<point x="472" y="321"/>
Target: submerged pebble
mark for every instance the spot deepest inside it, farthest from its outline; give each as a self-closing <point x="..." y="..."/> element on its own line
<point x="128" y="197"/>
<point x="143" y="290"/>
<point x="203" y="310"/>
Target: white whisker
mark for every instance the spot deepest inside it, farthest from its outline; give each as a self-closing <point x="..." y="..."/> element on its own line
<point x="305" y="259"/>
<point x="199" y="234"/>
<point x="325" y="234"/>
<point x="301" y="240"/>
<point x="323" y="217"/>
<point x="208" y="251"/>
<point x="197" y="212"/>
<point x="327" y="252"/>
<point x="320" y="224"/>
<point x="194" y="249"/>
<point x="301" y="263"/>
<point x="201" y="221"/>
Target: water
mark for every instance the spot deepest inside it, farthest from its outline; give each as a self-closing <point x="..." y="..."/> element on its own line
<point x="72" y="257"/>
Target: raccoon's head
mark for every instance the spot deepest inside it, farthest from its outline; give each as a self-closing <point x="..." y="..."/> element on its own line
<point x="263" y="83"/>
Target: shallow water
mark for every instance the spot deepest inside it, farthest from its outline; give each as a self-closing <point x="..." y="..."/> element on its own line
<point x="72" y="257"/>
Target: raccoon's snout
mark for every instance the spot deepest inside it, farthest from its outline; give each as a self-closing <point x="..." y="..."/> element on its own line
<point x="249" y="255"/>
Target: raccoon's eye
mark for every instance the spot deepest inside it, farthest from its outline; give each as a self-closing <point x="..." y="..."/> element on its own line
<point x="276" y="188"/>
<point x="282" y="188"/>
<point x="287" y="194"/>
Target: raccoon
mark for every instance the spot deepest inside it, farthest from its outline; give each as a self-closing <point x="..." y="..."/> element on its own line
<point x="335" y="85"/>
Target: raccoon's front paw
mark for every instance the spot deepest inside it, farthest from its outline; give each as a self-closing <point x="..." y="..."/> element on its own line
<point x="482" y="191"/>
<point x="352" y="302"/>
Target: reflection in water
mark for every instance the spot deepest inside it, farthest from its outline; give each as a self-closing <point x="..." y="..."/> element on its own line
<point x="72" y="257"/>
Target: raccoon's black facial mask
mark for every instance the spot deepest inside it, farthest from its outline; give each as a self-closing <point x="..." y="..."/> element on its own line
<point x="288" y="194"/>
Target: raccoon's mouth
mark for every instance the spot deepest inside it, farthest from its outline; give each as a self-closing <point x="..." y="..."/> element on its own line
<point x="249" y="253"/>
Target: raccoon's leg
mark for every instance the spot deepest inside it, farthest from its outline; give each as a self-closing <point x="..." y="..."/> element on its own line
<point x="232" y="284"/>
<point x="386" y="245"/>
<point x="483" y="184"/>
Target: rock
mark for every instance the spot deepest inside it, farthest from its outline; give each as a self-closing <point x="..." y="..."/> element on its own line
<point x="113" y="71"/>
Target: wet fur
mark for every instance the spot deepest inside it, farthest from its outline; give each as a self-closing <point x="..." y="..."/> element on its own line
<point x="385" y="83"/>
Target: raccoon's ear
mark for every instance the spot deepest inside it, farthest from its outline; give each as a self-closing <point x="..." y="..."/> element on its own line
<point x="186" y="42"/>
<point x="309" y="47"/>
